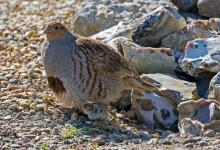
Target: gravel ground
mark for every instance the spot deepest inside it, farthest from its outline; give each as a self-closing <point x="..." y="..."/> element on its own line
<point x="29" y="116"/>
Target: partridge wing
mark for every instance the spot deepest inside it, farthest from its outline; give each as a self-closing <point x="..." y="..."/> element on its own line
<point x="108" y="63"/>
<point x="104" y="59"/>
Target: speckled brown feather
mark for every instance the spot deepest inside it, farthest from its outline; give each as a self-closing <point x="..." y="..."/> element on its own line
<point x="108" y="63"/>
<point x="106" y="60"/>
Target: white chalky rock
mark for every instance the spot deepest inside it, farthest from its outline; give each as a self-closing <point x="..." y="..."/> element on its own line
<point x="121" y="29"/>
<point x="202" y="55"/>
<point x="155" y="111"/>
<point x="145" y="59"/>
<point x="196" y="29"/>
<point x="206" y="112"/>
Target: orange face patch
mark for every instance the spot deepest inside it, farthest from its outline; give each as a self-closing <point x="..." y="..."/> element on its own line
<point x="54" y="30"/>
<point x="54" y="35"/>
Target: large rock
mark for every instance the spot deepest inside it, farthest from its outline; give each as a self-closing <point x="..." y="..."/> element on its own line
<point x="145" y="59"/>
<point x="202" y="60"/>
<point x="209" y="8"/>
<point x="198" y="29"/>
<point x="203" y="113"/>
<point x="93" y="16"/>
<point x="168" y="81"/>
<point x="121" y="29"/>
<point x="202" y="55"/>
<point x="156" y="111"/>
<point x="156" y="25"/>
<point x="185" y="5"/>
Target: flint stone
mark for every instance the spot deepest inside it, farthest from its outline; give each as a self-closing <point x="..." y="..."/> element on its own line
<point x="209" y="8"/>
<point x="202" y="55"/>
<point x="156" y="25"/>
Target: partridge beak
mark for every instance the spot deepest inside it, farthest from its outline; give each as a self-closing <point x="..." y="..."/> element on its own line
<point x="47" y="30"/>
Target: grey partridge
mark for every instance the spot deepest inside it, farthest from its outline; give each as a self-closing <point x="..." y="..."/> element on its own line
<point x="81" y="70"/>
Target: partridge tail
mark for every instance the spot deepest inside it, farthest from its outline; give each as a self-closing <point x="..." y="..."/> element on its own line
<point x="147" y="86"/>
<point x="140" y="84"/>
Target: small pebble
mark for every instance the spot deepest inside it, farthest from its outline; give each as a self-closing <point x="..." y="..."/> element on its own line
<point x="8" y="117"/>
<point x="15" y="146"/>
<point x="202" y="143"/>
<point x="37" y="138"/>
<point x="74" y="116"/>
<point x="190" y="145"/>
<point x="13" y="107"/>
<point x="13" y="81"/>
<point x="136" y="141"/>
<point x="67" y="141"/>
<point x="209" y="133"/>
<point x="192" y="140"/>
<point x="114" y="136"/>
<point x="165" y="134"/>
<point x="145" y="134"/>
<point x="102" y="136"/>
<point x="216" y="142"/>
<point x="55" y="131"/>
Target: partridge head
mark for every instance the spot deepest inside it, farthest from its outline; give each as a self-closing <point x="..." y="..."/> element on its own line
<point x="55" y="30"/>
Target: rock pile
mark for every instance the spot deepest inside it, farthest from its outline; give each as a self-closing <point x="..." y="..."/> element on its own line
<point x="97" y="15"/>
<point x="162" y="41"/>
<point x="178" y="55"/>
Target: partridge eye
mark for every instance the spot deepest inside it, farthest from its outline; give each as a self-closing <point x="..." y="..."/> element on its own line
<point x="56" y="28"/>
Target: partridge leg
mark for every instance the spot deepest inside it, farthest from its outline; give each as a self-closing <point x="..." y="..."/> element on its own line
<point x="71" y="112"/>
<point x="95" y="111"/>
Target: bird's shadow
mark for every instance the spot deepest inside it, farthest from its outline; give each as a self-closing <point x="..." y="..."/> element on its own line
<point x="114" y="129"/>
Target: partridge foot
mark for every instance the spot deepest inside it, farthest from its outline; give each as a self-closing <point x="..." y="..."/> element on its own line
<point x="95" y="111"/>
<point x="71" y="113"/>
